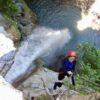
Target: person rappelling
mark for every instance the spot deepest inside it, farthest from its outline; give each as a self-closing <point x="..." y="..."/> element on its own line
<point x="67" y="69"/>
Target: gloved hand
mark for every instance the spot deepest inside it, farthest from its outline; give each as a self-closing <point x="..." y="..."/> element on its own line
<point x="70" y="73"/>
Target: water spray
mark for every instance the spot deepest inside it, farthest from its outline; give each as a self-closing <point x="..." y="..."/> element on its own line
<point x="38" y="43"/>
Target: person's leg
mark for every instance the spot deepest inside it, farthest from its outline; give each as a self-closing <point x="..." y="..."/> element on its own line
<point x="71" y="78"/>
<point x="59" y="83"/>
<point x="69" y="75"/>
<point x="73" y="81"/>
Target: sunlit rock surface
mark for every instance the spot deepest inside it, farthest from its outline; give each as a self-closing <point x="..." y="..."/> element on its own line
<point x="92" y="18"/>
<point x="7" y="92"/>
<point x="6" y="45"/>
<point x="7" y="51"/>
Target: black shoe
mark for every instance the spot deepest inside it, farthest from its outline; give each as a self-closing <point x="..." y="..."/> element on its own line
<point x="55" y="86"/>
<point x="59" y="84"/>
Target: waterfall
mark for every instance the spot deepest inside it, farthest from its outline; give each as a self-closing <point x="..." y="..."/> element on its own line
<point x="43" y="42"/>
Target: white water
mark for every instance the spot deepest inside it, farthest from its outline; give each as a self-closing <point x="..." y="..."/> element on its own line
<point x="41" y="42"/>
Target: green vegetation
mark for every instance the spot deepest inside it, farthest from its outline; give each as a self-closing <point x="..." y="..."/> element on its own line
<point x="88" y="69"/>
<point x="8" y="7"/>
<point x="38" y="62"/>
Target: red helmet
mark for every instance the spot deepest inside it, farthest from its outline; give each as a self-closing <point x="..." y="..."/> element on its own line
<point x="71" y="54"/>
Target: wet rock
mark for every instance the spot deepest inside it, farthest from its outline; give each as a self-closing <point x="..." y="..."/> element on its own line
<point x="83" y="4"/>
<point x="5" y="68"/>
<point x="27" y="29"/>
<point x="2" y="21"/>
<point x="8" y="57"/>
<point x="2" y="64"/>
<point x="20" y="7"/>
<point x="26" y="18"/>
<point x="6" y="61"/>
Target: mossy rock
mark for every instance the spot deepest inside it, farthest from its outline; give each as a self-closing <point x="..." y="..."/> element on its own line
<point x="28" y="1"/>
<point x="15" y="33"/>
<point x="44" y="97"/>
<point x="29" y="14"/>
<point x="39" y="64"/>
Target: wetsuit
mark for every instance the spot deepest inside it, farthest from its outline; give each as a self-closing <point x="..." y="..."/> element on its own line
<point x="67" y="66"/>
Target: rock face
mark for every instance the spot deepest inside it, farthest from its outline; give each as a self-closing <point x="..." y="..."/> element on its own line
<point x="83" y="4"/>
<point x="15" y="33"/>
<point x="12" y="32"/>
<point x="7" y="51"/>
<point x="2" y="21"/>
<point x="21" y="24"/>
<point x="66" y="96"/>
<point x="26" y="19"/>
<point x="7" y="92"/>
<point x="40" y="86"/>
